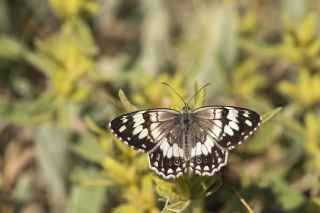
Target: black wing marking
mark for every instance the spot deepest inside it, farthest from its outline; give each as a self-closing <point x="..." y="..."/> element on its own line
<point x="142" y="130"/>
<point x="168" y="158"/>
<point x="206" y="157"/>
<point x="228" y="126"/>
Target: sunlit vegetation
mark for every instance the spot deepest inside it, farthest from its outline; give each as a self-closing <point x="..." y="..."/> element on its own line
<point x="68" y="67"/>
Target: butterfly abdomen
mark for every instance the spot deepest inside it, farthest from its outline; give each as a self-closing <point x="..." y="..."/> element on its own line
<point x="186" y="145"/>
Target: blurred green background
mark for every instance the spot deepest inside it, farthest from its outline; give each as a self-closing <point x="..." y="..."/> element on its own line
<point x="63" y="63"/>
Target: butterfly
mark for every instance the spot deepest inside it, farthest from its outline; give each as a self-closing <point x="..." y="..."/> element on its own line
<point x="196" y="140"/>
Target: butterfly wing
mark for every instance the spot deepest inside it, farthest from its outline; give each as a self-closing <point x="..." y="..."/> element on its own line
<point x="158" y="132"/>
<point x="206" y="157"/>
<point x="215" y="131"/>
<point x="142" y="130"/>
<point x="167" y="159"/>
<point x="228" y="126"/>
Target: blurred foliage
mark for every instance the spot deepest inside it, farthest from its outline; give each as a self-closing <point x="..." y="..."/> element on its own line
<point x="68" y="67"/>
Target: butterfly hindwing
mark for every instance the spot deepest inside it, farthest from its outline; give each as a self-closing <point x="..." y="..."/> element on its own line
<point x="142" y="130"/>
<point x="228" y="126"/>
<point x="168" y="158"/>
<point x="206" y="156"/>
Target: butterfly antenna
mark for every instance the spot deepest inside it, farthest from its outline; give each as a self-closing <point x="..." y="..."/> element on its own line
<point x="197" y="93"/>
<point x="175" y="92"/>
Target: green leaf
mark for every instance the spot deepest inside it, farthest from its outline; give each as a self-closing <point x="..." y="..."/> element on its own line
<point x="119" y="172"/>
<point x="52" y="156"/>
<point x="179" y="206"/>
<point x="173" y="190"/>
<point x="27" y="112"/>
<point x="260" y="49"/>
<point x="93" y="126"/>
<point x="263" y="139"/>
<point x="87" y="199"/>
<point x="200" y="97"/>
<point x="289" y="197"/>
<point x="89" y="176"/>
<point x="127" y="208"/>
<point x="128" y="106"/>
<point x="294" y="129"/>
<point x="306" y="31"/>
<point x="269" y="115"/>
<point x="84" y="36"/>
<point x="11" y="49"/>
<point x="89" y="148"/>
<point x="203" y="186"/>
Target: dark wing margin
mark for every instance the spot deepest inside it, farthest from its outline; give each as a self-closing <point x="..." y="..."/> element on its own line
<point x="142" y="130"/>
<point x="228" y="126"/>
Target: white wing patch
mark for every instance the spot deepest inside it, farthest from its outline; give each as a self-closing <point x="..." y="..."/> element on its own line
<point x="248" y="122"/>
<point x="122" y="128"/>
<point x="143" y="133"/>
<point x="228" y="130"/>
<point x="137" y="130"/>
<point x="233" y="125"/>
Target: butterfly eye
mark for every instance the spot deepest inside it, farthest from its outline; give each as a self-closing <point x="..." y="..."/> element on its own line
<point x="170" y="162"/>
<point x="205" y="160"/>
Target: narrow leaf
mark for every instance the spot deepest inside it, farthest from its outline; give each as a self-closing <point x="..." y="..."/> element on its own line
<point x="52" y="156"/>
<point x="269" y="115"/>
<point x="128" y="106"/>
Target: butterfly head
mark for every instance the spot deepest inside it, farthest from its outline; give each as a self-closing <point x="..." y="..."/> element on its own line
<point x="186" y="108"/>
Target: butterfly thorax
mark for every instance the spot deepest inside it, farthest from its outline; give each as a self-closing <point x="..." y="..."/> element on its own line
<point x="186" y="119"/>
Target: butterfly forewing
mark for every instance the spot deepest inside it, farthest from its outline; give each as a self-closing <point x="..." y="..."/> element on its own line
<point x="228" y="126"/>
<point x="142" y="130"/>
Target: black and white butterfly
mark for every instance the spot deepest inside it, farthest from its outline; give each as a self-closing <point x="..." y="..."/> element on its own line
<point x="178" y="142"/>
